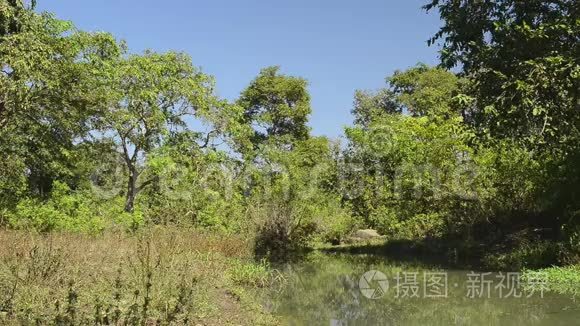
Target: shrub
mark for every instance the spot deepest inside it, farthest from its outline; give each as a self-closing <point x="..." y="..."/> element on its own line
<point x="418" y="226"/>
<point x="386" y="222"/>
<point x="63" y="211"/>
<point x="332" y="226"/>
<point x="423" y="226"/>
<point x="203" y="195"/>
<point x="280" y="231"/>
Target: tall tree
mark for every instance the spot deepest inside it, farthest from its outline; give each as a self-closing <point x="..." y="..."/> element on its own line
<point x="417" y="91"/>
<point x="277" y="106"/>
<point x="155" y="94"/>
<point x="523" y="61"/>
<point x="370" y="104"/>
<point x="425" y="91"/>
<point x="50" y="91"/>
<point x="406" y="131"/>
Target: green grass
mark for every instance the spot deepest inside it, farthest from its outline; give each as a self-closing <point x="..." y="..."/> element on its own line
<point x="564" y="280"/>
<point x="254" y="274"/>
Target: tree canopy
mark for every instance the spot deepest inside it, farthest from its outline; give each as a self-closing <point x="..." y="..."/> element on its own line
<point x="522" y="59"/>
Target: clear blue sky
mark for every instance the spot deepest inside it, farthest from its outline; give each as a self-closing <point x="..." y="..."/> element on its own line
<point x="337" y="45"/>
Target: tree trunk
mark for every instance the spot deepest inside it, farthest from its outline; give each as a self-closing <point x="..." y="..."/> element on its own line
<point x="3" y="115"/>
<point x="131" y="191"/>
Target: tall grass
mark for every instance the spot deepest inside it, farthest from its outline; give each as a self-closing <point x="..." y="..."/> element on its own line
<point x="160" y="276"/>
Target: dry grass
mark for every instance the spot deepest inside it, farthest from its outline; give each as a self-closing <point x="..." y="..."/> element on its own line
<point x="160" y="276"/>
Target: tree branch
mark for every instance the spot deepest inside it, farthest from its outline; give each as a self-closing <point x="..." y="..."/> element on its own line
<point x="207" y="138"/>
<point x="147" y="183"/>
<point x="126" y="156"/>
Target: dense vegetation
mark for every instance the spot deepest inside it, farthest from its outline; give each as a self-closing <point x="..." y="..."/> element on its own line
<point x="480" y="154"/>
<point x="94" y="137"/>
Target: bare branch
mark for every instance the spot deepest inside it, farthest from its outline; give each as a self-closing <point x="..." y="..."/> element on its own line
<point x="208" y="138"/>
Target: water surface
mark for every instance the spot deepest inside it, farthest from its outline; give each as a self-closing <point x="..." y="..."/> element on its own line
<point x="325" y="289"/>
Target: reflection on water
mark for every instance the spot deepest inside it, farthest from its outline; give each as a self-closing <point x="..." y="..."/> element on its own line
<point x="326" y="290"/>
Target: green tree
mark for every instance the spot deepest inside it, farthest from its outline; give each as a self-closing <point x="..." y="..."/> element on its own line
<point x="370" y="104"/>
<point x="50" y="91"/>
<point x="290" y="171"/>
<point x="404" y="168"/>
<point x="409" y="168"/>
<point x="14" y="15"/>
<point x="154" y="94"/>
<point x="417" y="91"/>
<point x="521" y="63"/>
<point x="522" y="60"/>
<point x="277" y="107"/>
<point x="290" y="198"/>
<point x="425" y="91"/>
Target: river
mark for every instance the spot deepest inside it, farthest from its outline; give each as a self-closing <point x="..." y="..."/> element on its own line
<point x="346" y="289"/>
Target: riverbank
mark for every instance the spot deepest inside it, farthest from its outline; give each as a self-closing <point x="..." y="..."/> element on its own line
<point x="533" y="261"/>
<point x="515" y="252"/>
<point x="156" y="276"/>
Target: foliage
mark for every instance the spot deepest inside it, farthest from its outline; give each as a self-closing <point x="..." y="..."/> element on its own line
<point x="155" y="93"/>
<point x="64" y="211"/>
<point x="199" y="190"/>
<point x="276" y="106"/>
<point x="521" y="58"/>
<point x="12" y="182"/>
<point x="418" y="91"/>
<point x="408" y="166"/>
<point x="51" y="86"/>
<point x="527" y="254"/>
<point x="519" y="61"/>
<point x="290" y="204"/>
<point x="564" y="280"/>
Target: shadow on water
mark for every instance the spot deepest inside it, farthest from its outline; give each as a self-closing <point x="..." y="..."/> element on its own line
<point x="435" y="253"/>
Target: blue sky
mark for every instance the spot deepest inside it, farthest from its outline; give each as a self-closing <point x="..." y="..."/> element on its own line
<point x="337" y="45"/>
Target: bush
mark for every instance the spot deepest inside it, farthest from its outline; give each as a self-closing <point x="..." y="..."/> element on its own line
<point x="386" y="222"/>
<point x="63" y="211"/>
<point x="333" y="227"/>
<point x="423" y="226"/>
<point x="419" y="226"/>
<point x="202" y="195"/>
<point x="294" y="225"/>
<point x="281" y="231"/>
